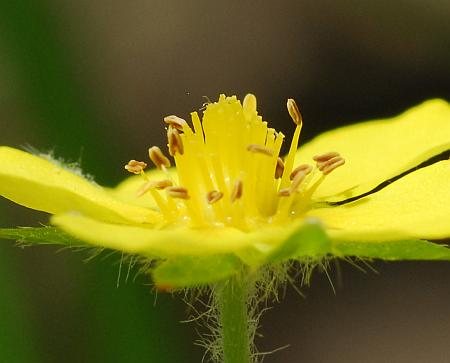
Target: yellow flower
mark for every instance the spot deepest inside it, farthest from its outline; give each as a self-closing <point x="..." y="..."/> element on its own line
<point x="232" y="198"/>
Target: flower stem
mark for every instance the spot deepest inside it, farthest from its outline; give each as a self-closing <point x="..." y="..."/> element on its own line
<point x="232" y="298"/>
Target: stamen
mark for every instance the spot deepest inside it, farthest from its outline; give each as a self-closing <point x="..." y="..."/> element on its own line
<point x="175" y="142"/>
<point x="325" y="157"/>
<point x="294" y="111"/>
<point x="158" y="158"/>
<point x="135" y="167"/>
<point x="305" y="168"/>
<point x="260" y="149"/>
<point x="285" y="192"/>
<point x="216" y="156"/>
<point x="329" y="162"/>
<point x="163" y="184"/>
<point x="160" y="184"/>
<point x="299" y="177"/>
<point x="279" y="168"/>
<point x="236" y="193"/>
<point x="213" y="196"/>
<point x="290" y="159"/>
<point x="178" y="192"/>
<point x="332" y="165"/>
<point x="175" y="121"/>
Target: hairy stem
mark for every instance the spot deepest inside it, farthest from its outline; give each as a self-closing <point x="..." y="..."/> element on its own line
<point x="232" y="297"/>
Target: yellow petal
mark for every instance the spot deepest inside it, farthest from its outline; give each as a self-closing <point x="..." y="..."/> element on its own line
<point x="415" y="206"/>
<point x="127" y="190"/>
<point x="37" y="183"/>
<point x="379" y="150"/>
<point x="148" y="241"/>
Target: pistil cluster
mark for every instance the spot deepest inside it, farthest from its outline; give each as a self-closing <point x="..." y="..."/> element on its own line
<point x="228" y="169"/>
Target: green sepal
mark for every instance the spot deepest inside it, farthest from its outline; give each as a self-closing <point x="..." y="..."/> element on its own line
<point x="40" y="236"/>
<point x="310" y="240"/>
<point x="393" y="251"/>
<point x="189" y="271"/>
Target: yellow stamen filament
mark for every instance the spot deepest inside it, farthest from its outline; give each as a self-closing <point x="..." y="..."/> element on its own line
<point x="237" y="191"/>
<point x="279" y="168"/>
<point x="158" y="158"/>
<point x="260" y="149"/>
<point x="213" y="196"/>
<point x="290" y="159"/>
<point x="175" y="121"/>
<point x="175" y="143"/>
<point x="301" y="168"/>
<point x="177" y="192"/>
<point x="135" y="167"/>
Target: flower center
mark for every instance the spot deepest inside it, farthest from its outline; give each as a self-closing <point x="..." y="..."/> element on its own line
<point x="228" y="169"/>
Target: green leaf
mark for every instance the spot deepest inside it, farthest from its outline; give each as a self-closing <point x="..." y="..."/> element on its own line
<point x="40" y="236"/>
<point x="397" y="250"/>
<point x="310" y="240"/>
<point x="188" y="271"/>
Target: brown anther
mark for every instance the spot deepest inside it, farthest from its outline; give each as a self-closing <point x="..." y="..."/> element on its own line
<point x="325" y="157"/>
<point x="178" y="192"/>
<point x="175" y="121"/>
<point x="285" y="192"/>
<point x="331" y="165"/>
<point x="213" y="196"/>
<point x="158" y="158"/>
<point x="254" y="148"/>
<point x="294" y="111"/>
<point x="305" y="168"/>
<point x="279" y="168"/>
<point x="162" y="184"/>
<point x="236" y="193"/>
<point x="175" y="143"/>
<point x="298" y="179"/>
<point x="135" y="167"/>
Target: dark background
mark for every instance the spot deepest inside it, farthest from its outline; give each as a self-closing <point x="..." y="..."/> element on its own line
<point x="92" y="80"/>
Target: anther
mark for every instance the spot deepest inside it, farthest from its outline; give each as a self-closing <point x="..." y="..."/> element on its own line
<point x="305" y="168"/>
<point x="254" y="148"/>
<point x="332" y="165"/>
<point x="299" y="177"/>
<point x="135" y="167"/>
<point x="279" y="168"/>
<point x="213" y="196"/>
<point x="329" y="162"/>
<point x="294" y="111"/>
<point x="236" y="193"/>
<point x="325" y="157"/>
<point x="175" y="121"/>
<point x="178" y="192"/>
<point x="285" y="192"/>
<point x="158" y="158"/>
<point x="175" y="142"/>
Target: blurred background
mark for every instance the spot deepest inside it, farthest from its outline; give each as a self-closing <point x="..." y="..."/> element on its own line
<point x="91" y="80"/>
